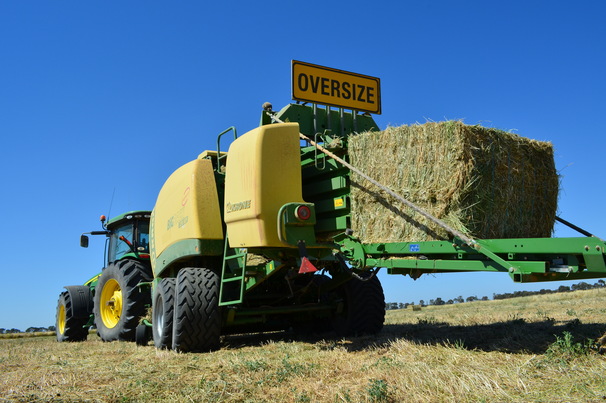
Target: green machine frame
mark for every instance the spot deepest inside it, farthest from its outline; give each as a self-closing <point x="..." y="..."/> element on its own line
<point x="326" y="184"/>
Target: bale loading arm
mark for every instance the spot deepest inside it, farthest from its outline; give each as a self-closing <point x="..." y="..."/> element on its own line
<point x="525" y="259"/>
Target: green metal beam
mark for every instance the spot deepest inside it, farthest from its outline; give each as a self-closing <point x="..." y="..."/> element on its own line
<point x="400" y="266"/>
<point x="526" y="260"/>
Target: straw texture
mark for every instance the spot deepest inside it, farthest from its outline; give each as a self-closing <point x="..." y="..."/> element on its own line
<point x="485" y="182"/>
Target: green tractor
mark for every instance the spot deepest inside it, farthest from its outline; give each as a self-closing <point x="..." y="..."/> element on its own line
<point x="115" y="300"/>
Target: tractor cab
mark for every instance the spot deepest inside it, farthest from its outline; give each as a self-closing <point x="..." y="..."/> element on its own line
<point x="128" y="236"/>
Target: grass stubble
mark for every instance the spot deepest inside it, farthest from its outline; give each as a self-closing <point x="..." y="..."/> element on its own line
<point x="538" y="348"/>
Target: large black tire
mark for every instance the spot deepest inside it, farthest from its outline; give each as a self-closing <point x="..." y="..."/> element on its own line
<point x="163" y="312"/>
<point x="315" y="323"/>
<point x="119" y="302"/>
<point x="197" y="320"/>
<point x="73" y="313"/>
<point x="364" y="308"/>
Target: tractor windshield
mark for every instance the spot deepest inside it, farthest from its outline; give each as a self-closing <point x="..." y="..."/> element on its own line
<point x="132" y="237"/>
<point x="118" y="247"/>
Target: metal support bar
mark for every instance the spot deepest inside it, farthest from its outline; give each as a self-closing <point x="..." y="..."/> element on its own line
<point x="574" y="227"/>
<point x="315" y="112"/>
<point x="402" y="266"/>
<point x="219" y="157"/>
<point x="316" y="158"/>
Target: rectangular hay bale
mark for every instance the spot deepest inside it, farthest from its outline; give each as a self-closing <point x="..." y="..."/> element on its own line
<point x="484" y="182"/>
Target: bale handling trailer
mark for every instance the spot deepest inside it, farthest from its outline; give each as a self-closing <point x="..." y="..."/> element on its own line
<point x="259" y="238"/>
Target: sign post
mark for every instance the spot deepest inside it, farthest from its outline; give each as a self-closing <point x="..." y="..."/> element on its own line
<point x="332" y="87"/>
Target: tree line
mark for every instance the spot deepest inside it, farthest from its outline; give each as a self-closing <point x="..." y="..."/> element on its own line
<point x="459" y="300"/>
<point x="28" y="330"/>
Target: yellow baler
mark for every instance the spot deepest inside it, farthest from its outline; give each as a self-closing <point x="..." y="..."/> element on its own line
<point x="234" y="248"/>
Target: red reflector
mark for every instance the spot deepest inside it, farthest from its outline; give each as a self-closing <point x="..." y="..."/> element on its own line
<point x="306" y="266"/>
<point x="303" y="213"/>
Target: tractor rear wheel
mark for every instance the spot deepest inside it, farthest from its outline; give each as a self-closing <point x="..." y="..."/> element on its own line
<point x="119" y="301"/>
<point x="163" y="312"/>
<point x="73" y="314"/>
<point x="197" y="320"/>
<point x="363" y="307"/>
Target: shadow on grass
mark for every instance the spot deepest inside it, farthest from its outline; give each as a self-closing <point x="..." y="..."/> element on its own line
<point x="514" y="336"/>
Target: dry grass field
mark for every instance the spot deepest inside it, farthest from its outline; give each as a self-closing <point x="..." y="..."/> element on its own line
<point x="539" y="348"/>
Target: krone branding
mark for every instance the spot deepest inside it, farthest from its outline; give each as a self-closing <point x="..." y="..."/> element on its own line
<point x="343" y="89"/>
<point x="231" y="207"/>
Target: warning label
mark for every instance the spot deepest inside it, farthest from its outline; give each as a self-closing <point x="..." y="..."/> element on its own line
<point x="343" y="89"/>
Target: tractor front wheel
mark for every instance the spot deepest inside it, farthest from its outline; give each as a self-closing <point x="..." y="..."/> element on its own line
<point x="119" y="301"/>
<point x="73" y="314"/>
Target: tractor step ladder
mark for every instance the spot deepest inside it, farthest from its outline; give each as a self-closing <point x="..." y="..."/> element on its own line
<point x="232" y="275"/>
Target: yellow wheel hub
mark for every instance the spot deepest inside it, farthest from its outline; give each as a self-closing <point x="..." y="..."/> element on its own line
<point x="111" y="303"/>
<point x="61" y="319"/>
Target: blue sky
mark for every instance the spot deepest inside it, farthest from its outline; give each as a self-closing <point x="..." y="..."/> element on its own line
<point x="104" y="97"/>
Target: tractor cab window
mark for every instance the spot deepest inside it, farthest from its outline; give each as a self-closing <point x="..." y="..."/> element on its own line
<point x="143" y="237"/>
<point x="131" y="237"/>
<point x="118" y="247"/>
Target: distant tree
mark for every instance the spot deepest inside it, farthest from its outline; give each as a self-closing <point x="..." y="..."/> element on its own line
<point x="601" y="283"/>
<point x="2" y="330"/>
<point x="459" y="299"/>
<point x="580" y="286"/>
<point x="450" y="302"/>
<point x="563" y="288"/>
<point x="484" y="298"/>
<point x="13" y="330"/>
<point x="422" y="303"/>
<point x="432" y="302"/>
<point x="439" y="301"/>
<point x="472" y="298"/>
<point x="35" y="329"/>
<point x="52" y="328"/>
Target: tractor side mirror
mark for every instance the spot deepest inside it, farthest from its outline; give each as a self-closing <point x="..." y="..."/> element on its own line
<point x="84" y="241"/>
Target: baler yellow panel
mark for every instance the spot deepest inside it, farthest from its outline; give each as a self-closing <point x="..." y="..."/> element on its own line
<point x="263" y="173"/>
<point x="187" y="207"/>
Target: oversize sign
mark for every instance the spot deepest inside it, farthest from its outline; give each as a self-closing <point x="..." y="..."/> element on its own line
<point x="343" y="89"/>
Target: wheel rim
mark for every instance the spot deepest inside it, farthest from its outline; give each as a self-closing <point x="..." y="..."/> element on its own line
<point x="111" y="303"/>
<point x="61" y="319"/>
<point x="159" y="316"/>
